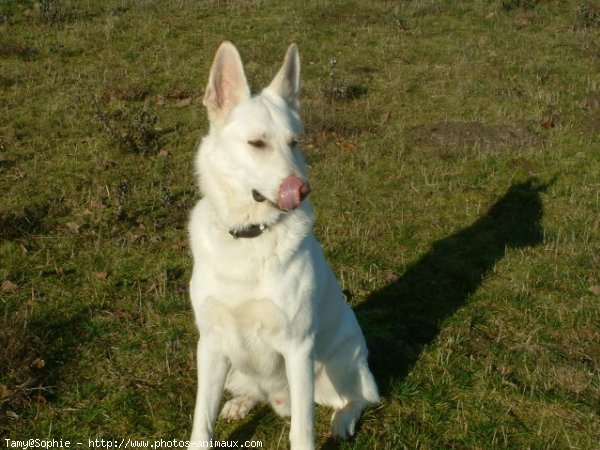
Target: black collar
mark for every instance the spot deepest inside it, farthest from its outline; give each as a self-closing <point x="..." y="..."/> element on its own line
<point x="250" y="231"/>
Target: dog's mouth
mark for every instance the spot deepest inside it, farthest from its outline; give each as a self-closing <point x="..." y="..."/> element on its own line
<point x="292" y="192"/>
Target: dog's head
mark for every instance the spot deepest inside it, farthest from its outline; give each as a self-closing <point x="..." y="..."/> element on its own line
<point x="251" y="152"/>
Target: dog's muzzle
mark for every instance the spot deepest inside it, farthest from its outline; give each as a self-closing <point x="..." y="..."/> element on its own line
<point x="292" y="192"/>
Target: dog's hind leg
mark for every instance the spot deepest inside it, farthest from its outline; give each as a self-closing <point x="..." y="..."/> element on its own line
<point x="347" y="391"/>
<point x="280" y="402"/>
<point x="343" y="420"/>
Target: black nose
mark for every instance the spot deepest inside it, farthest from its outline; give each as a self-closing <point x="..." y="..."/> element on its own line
<point x="304" y="191"/>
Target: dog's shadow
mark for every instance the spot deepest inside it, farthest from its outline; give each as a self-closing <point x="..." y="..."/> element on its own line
<point x="403" y="317"/>
<point x="400" y="319"/>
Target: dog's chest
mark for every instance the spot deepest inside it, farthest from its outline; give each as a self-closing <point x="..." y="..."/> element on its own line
<point x="243" y="265"/>
<point x="247" y="268"/>
<point x="248" y="331"/>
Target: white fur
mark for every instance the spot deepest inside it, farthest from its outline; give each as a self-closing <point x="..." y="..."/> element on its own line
<point x="273" y="322"/>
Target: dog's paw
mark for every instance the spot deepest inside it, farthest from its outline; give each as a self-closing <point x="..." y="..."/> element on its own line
<point x="237" y="408"/>
<point x="344" y="420"/>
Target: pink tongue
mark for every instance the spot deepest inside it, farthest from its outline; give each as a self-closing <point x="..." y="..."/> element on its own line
<point x="289" y="193"/>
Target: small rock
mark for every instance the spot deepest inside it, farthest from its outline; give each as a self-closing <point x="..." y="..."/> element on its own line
<point x="595" y="289"/>
<point x="38" y="363"/>
<point x="9" y="286"/>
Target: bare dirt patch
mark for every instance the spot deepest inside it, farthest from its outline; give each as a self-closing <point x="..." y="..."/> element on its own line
<point x="9" y="49"/>
<point x="591" y="101"/>
<point x="474" y="134"/>
<point x="29" y="220"/>
<point x="591" y="104"/>
<point x="593" y="125"/>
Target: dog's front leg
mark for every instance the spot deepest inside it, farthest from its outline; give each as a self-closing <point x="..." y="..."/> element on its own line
<point x="212" y="371"/>
<point x="299" y="367"/>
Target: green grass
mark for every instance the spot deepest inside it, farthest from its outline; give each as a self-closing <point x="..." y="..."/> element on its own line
<point x="455" y="159"/>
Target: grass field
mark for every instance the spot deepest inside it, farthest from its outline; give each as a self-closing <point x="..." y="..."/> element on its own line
<point x="454" y="151"/>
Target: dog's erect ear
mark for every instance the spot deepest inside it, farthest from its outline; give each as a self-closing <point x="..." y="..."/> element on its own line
<point x="227" y="85"/>
<point x="287" y="81"/>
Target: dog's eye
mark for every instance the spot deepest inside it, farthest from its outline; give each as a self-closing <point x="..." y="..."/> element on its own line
<point x="293" y="142"/>
<point x="258" y="143"/>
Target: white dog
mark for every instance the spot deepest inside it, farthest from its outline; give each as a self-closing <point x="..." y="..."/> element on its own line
<point x="273" y="322"/>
